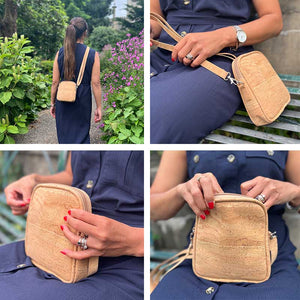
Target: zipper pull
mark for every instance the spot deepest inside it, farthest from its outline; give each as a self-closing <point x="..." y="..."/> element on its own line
<point x="233" y="80"/>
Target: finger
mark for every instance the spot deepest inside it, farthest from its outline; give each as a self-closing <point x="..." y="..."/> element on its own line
<point x="248" y="185"/>
<point x="197" y="195"/>
<point x="19" y="211"/>
<point x="256" y="190"/>
<point x="194" y="53"/>
<point x="186" y="49"/>
<point x="84" y="216"/>
<point x="198" y="60"/>
<point x="207" y="188"/>
<point x="198" y="212"/>
<point x="81" y="254"/>
<point x="79" y="225"/>
<point x="177" y="48"/>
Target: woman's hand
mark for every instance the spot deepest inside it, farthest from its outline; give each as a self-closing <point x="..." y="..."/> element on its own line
<point x="106" y="237"/>
<point x="52" y="111"/>
<point x="199" y="193"/>
<point x="18" y="194"/>
<point x="98" y="115"/>
<point x="201" y="45"/>
<point x="274" y="191"/>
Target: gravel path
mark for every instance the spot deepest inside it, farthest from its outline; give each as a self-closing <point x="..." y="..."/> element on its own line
<point x="43" y="130"/>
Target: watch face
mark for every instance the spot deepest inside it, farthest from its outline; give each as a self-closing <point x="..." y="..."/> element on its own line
<point x="241" y="35"/>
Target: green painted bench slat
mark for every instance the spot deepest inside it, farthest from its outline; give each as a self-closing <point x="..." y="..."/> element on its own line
<point x="289" y="77"/>
<point x="223" y="139"/>
<point x="294" y="102"/>
<point x="278" y="125"/>
<point x="259" y="135"/>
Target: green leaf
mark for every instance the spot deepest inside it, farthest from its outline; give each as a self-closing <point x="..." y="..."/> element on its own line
<point x="112" y="140"/>
<point x="6" y="82"/>
<point x="9" y="140"/>
<point x="20" y="124"/>
<point x="12" y="129"/>
<point x="19" y="93"/>
<point x="30" y="95"/>
<point x="5" y="97"/>
<point x="137" y="130"/>
<point x="26" y="78"/>
<point x="1" y="137"/>
<point x="114" y="125"/>
<point x="2" y="128"/>
<point x="136" y="140"/>
<point x="136" y="103"/>
<point x="126" y="132"/>
<point x="122" y="137"/>
<point x="23" y="130"/>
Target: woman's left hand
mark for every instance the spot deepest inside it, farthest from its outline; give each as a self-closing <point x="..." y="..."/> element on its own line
<point x="106" y="237"/>
<point x="98" y="115"/>
<point x="274" y="191"/>
<point x="52" y="111"/>
<point x="200" y="45"/>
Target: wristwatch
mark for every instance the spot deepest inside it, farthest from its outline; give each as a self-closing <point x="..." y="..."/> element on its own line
<point x="241" y="37"/>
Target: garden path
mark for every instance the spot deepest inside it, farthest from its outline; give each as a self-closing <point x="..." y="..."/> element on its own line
<point x="43" y="130"/>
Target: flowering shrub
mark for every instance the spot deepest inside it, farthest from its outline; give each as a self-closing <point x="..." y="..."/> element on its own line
<point x="123" y="99"/>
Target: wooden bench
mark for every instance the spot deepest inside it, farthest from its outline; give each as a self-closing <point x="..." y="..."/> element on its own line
<point x="285" y="130"/>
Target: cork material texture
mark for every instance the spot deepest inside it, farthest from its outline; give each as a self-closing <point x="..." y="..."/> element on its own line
<point x="66" y="91"/>
<point x="232" y="243"/>
<point x="263" y="92"/>
<point x="44" y="239"/>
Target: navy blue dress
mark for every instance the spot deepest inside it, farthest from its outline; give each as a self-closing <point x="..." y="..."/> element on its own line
<point x="231" y="169"/>
<point x="115" y="184"/>
<point x="188" y="103"/>
<point x="73" y="119"/>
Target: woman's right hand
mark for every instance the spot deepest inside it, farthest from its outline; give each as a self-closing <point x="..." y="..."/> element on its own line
<point x="18" y="194"/>
<point x="52" y="111"/>
<point x="199" y="193"/>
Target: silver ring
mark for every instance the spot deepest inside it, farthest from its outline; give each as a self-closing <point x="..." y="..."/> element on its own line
<point x="79" y="243"/>
<point x="261" y="198"/>
<point x="83" y="246"/>
<point x="189" y="56"/>
<point x="199" y="178"/>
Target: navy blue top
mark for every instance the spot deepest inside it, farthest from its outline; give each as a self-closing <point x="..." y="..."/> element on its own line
<point x="116" y="186"/>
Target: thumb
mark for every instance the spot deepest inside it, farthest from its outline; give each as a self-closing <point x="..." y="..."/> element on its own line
<point x="26" y="193"/>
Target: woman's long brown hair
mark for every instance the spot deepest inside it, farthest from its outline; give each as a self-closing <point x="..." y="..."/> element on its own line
<point x="75" y="31"/>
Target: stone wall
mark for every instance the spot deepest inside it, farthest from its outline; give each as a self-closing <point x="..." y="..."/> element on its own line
<point x="283" y="50"/>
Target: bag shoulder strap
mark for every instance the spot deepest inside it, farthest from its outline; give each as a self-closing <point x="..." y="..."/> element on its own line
<point x="82" y="67"/>
<point x="206" y="64"/>
<point x="167" y="266"/>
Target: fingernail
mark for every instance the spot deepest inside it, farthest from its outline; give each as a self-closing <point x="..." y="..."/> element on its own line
<point x="211" y="205"/>
<point x="202" y="217"/>
<point x="173" y="59"/>
<point x="23" y="204"/>
<point x="28" y="200"/>
<point x="65" y="218"/>
<point x="63" y="252"/>
<point x="206" y="212"/>
<point x="61" y="227"/>
<point x="69" y="212"/>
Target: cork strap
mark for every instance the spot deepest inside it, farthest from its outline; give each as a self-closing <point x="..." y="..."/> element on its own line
<point x="82" y="67"/>
<point x="206" y="64"/>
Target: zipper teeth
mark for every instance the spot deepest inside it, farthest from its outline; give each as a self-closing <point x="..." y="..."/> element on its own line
<point x="233" y="194"/>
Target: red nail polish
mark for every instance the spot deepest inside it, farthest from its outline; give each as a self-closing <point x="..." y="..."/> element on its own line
<point x="211" y="205"/>
<point x="61" y="227"/>
<point x="173" y="59"/>
<point x="65" y="218"/>
<point x="206" y="212"/>
<point x="63" y="252"/>
<point x="202" y="217"/>
<point x="69" y="212"/>
<point x="23" y="204"/>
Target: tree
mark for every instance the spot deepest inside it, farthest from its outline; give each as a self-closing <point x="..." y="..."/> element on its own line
<point x="103" y="35"/>
<point x="94" y="11"/>
<point x="8" y="24"/>
<point x="134" y="22"/>
<point x="44" y="23"/>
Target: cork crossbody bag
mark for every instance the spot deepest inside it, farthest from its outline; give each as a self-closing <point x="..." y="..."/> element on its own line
<point x="67" y="89"/>
<point x="44" y="239"/>
<point x="232" y="244"/>
<point x="263" y="92"/>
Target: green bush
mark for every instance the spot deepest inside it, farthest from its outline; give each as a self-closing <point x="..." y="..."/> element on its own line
<point x="123" y="84"/>
<point x="24" y="90"/>
<point x="103" y="35"/>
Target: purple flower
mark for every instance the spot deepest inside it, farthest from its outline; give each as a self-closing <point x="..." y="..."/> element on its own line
<point x="114" y="104"/>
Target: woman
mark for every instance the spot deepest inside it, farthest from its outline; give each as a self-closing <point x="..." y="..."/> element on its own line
<point x="275" y="175"/>
<point x="114" y="182"/>
<point x="187" y="101"/>
<point x="73" y="118"/>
